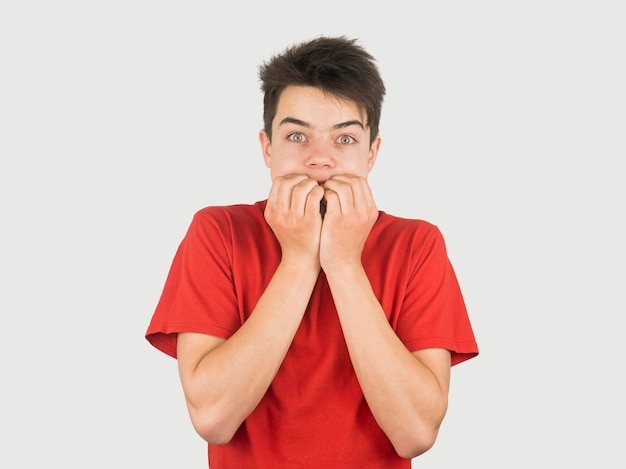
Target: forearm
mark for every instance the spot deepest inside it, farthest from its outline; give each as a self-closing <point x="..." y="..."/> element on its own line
<point x="228" y="382"/>
<point x="404" y="395"/>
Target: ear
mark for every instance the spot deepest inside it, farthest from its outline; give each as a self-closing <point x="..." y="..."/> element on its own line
<point x="266" y="147"/>
<point x="373" y="154"/>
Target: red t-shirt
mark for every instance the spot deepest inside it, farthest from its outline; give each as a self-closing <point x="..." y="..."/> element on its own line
<point x="314" y="414"/>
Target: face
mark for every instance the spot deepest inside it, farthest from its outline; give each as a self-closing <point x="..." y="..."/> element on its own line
<point x="318" y="135"/>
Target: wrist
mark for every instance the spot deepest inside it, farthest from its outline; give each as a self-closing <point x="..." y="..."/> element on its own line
<point x="343" y="269"/>
<point x="297" y="264"/>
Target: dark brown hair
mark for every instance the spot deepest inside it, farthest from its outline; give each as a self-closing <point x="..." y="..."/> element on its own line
<point x="336" y="65"/>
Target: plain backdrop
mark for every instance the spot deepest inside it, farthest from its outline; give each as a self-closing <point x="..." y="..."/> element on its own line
<point x="504" y="124"/>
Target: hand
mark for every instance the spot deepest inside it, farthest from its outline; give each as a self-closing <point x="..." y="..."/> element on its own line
<point x="293" y="213"/>
<point x="350" y="215"/>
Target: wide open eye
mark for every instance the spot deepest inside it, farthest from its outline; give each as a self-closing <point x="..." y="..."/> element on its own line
<point x="345" y="140"/>
<point x="297" y="137"/>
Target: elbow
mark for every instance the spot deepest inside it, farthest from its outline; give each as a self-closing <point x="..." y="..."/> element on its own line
<point x="421" y="434"/>
<point x="418" y="439"/>
<point x="415" y="445"/>
<point x="212" y="428"/>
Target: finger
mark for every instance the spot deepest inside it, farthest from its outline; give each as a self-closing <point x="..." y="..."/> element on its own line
<point x="358" y="197"/>
<point x="362" y="194"/>
<point x="281" y="192"/>
<point x="313" y="197"/>
<point x="304" y="194"/>
<point x="333" y="205"/>
<point x="343" y="196"/>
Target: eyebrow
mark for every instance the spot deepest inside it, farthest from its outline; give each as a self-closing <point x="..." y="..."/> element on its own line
<point x="341" y="125"/>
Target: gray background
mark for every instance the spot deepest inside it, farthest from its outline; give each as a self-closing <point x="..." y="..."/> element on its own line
<point x="504" y="124"/>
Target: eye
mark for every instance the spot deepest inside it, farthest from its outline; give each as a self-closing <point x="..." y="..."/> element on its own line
<point x="345" y="140"/>
<point x="297" y="137"/>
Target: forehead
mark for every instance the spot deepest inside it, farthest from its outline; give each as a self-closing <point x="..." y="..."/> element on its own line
<point x="316" y="106"/>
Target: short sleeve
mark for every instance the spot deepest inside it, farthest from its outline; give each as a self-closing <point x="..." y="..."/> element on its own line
<point x="198" y="295"/>
<point x="434" y="314"/>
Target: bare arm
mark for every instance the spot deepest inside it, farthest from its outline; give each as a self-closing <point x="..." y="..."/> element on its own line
<point x="406" y="392"/>
<point x="224" y="380"/>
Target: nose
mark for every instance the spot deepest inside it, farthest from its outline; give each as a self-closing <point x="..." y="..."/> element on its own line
<point x="320" y="156"/>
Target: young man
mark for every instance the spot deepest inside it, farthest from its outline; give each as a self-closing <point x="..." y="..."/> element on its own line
<point x="311" y="329"/>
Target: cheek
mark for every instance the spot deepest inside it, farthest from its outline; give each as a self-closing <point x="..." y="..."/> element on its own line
<point x="283" y="166"/>
<point x="358" y="167"/>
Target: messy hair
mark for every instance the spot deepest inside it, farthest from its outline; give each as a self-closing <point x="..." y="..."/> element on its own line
<point x="335" y="65"/>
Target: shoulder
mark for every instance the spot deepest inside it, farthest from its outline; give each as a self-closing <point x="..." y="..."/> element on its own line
<point x="228" y="216"/>
<point x="413" y="228"/>
<point x="238" y="226"/>
<point x="408" y="238"/>
<point x="229" y="212"/>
